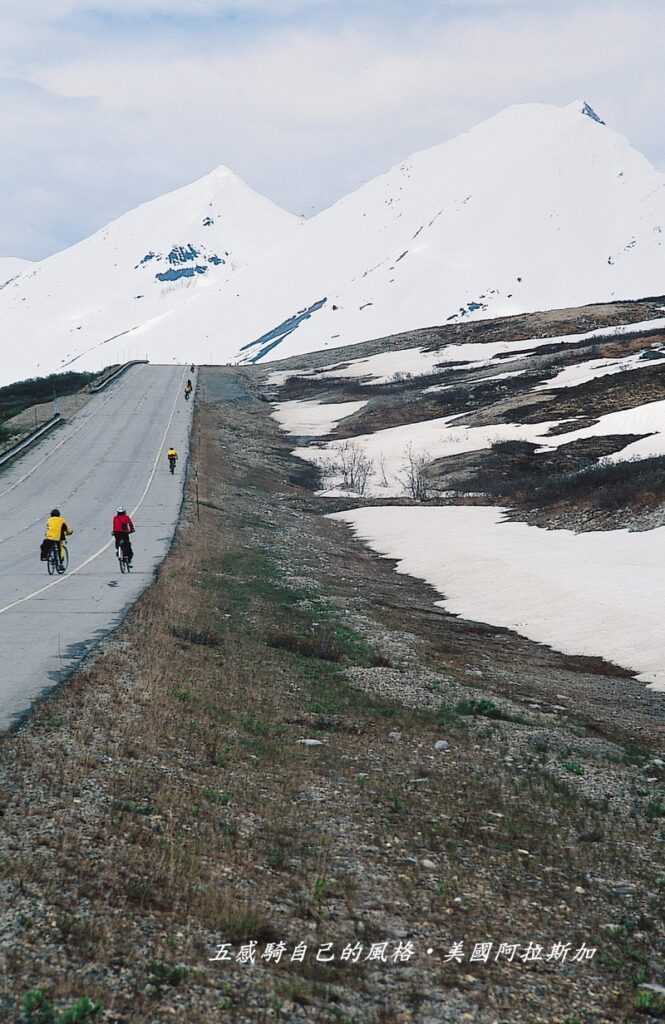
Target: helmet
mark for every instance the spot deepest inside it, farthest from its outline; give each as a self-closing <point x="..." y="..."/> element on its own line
<point x="120" y="511"/>
<point x="55" y="511"/>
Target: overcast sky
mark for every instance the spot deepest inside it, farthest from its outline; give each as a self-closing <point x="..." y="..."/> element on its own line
<point x="107" y="103"/>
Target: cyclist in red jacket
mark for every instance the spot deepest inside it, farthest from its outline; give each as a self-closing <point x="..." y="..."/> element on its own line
<point x="122" y="527"/>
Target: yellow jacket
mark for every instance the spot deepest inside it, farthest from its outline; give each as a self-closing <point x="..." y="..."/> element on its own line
<point x="172" y="453"/>
<point x="57" y="528"/>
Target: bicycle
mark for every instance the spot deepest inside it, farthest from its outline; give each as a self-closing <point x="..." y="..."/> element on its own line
<point x="122" y="552"/>
<point x="57" y="560"/>
<point x="172" y="463"/>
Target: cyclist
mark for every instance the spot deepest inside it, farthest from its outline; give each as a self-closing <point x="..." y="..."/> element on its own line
<point x="56" y="531"/>
<point x="188" y="389"/>
<point x="122" y="527"/>
<point x="172" y="456"/>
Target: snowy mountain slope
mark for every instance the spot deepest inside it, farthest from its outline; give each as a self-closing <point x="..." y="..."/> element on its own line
<point x="134" y="271"/>
<point x="540" y="207"/>
<point x="571" y="441"/>
<point x="11" y="266"/>
<point x="385" y="367"/>
<point x="443" y="437"/>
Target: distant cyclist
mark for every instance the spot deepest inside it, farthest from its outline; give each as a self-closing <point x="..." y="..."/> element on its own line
<point x="122" y="527"/>
<point x="172" y="456"/>
<point x="188" y="389"/>
<point x="56" y="531"/>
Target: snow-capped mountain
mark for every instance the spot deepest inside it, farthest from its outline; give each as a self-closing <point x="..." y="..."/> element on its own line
<point x="87" y="306"/>
<point x="540" y="207"/>
<point x="12" y="266"/>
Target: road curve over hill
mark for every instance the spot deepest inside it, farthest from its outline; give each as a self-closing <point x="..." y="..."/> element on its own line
<point x="112" y="452"/>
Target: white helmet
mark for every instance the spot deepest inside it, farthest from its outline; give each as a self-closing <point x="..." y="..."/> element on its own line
<point x="120" y="511"/>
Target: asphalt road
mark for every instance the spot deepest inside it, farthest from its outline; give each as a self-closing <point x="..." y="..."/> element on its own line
<point x="113" y="452"/>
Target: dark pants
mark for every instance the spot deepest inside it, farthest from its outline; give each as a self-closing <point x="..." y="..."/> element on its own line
<point x="47" y="547"/>
<point x="123" y="538"/>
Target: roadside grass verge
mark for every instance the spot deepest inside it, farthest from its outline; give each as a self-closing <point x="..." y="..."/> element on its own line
<point x="14" y="398"/>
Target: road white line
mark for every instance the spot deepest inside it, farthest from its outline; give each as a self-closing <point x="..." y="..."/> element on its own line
<point x="91" y="558"/>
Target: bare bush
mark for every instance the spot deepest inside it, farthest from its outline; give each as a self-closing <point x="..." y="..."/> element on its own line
<point x="414" y="474"/>
<point x="352" y="464"/>
<point x="382" y="470"/>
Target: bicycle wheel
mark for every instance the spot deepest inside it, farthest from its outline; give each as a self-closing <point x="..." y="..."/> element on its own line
<point x="52" y="562"/>
<point x="63" y="562"/>
<point x="122" y="558"/>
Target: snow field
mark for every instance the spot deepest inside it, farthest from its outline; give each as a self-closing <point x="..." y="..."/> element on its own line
<point x="10" y="267"/>
<point x="313" y="419"/>
<point x="389" y="449"/>
<point x="581" y="373"/>
<point x="643" y="419"/>
<point x="383" y="367"/>
<point x="595" y="594"/>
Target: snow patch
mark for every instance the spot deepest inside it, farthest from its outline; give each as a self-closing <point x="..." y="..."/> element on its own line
<point x="313" y="418"/>
<point x="593" y="594"/>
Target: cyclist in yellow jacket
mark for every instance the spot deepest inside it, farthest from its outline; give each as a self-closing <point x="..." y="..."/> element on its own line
<point x="56" y="531"/>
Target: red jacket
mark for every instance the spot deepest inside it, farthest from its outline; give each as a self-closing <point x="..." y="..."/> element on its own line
<point x="122" y="524"/>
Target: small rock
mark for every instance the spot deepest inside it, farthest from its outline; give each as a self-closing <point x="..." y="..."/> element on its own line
<point x="624" y="889"/>
<point x="593" y="836"/>
<point x="394" y="736"/>
<point x="442" y="745"/>
<point x="311" y="743"/>
<point x="429" y="864"/>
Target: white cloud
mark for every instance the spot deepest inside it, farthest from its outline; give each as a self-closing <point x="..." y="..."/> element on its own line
<point x="304" y="109"/>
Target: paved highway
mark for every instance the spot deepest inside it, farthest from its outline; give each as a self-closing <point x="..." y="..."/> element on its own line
<point x="113" y="452"/>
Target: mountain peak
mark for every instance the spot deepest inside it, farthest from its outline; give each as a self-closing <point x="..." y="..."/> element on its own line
<point x="220" y="173"/>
